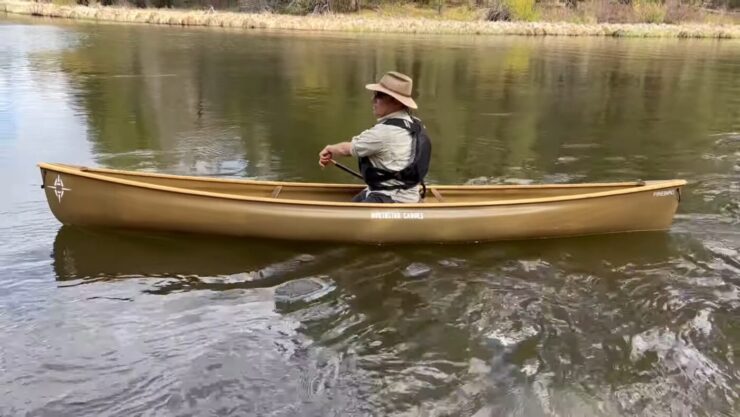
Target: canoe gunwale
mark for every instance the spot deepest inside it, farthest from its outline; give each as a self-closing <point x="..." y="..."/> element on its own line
<point x="99" y="175"/>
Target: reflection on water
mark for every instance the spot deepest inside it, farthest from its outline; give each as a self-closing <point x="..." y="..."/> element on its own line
<point x="547" y="109"/>
<point x="90" y="254"/>
<point x="100" y="322"/>
<point x="505" y="328"/>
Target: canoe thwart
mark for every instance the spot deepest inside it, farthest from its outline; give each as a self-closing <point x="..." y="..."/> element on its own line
<point x="437" y="195"/>
<point x="276" y="191"/>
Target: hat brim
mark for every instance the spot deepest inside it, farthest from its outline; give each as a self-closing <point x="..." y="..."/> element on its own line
<point x="406" y="101"/>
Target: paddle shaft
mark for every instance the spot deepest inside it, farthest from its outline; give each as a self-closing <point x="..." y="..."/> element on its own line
<point x="346" y="169"/>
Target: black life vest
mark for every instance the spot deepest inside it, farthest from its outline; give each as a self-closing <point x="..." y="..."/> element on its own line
<point x="410" y="176"/>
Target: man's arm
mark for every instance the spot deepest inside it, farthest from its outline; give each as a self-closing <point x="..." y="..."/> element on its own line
<point x="366" y="143"/>
<point x="330" y="151"/>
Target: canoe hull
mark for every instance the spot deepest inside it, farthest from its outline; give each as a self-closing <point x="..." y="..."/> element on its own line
<point x="85" y="201"/>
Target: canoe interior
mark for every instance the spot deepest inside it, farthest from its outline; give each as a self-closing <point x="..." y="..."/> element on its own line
<point x="344" y="193"/>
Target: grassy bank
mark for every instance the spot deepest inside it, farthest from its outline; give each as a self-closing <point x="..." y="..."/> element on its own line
<point x="366" y="22"/>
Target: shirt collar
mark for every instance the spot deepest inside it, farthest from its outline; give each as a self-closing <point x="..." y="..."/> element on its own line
<point x="401" y="114"/>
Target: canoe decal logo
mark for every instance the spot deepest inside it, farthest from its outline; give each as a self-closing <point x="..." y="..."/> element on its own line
<point x="663" y="193"/>
<point x="397" y="215"/>
<point x="58" y="188"/>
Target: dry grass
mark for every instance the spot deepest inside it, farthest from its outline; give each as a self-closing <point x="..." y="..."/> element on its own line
<point x="606" y="11"/>
<point x="641" y="11"/>
<point x="461" y="13"/>
<point x="650" y="12"/>
<point x="365" y="23"/>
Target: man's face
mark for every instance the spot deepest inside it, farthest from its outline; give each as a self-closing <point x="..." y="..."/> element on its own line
<point x="383" y="104"/>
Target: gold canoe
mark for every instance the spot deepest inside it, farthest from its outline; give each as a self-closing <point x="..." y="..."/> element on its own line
<point x="322" y="212"/>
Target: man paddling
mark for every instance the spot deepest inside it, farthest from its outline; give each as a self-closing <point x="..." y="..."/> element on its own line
<point x="394" y="154"/>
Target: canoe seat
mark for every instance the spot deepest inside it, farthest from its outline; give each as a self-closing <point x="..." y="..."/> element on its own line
<point x="437" y="194"/>
<point x="276" y="191"/>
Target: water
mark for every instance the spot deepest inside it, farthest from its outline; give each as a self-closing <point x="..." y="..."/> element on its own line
<point x="120" y="324"/>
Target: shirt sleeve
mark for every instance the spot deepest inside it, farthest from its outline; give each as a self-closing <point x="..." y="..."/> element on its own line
<point x="366" y="143"/>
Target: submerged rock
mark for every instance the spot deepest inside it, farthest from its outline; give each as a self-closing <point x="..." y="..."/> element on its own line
<point x="237" y="278"/>
<point x="304" y="289"/>
<point x="518" y="181"/>
<point x="478" y="181"/>
<point x="451" y="262"/>
<point x="305" y="258"/>
<point x="416" y="270"/>
<point x="561" y="178"/>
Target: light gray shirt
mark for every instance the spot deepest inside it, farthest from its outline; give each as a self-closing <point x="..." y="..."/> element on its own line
<point x="391" y="148"/>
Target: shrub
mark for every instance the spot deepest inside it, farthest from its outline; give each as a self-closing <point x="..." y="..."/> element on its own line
<point x="522" y="9"/>
<point x="498" y="11"/>
<point x="650" y="12"/>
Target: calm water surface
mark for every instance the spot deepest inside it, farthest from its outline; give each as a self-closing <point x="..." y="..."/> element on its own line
<point x="102" y="323"/>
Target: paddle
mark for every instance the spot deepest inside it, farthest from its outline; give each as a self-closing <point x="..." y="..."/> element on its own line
<point x="346" y="169"/>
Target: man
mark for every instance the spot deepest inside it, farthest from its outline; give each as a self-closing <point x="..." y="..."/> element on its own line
<point x="394" y="154"/>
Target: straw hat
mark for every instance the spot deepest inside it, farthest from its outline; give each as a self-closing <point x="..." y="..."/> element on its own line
<point x="396" y="85"/>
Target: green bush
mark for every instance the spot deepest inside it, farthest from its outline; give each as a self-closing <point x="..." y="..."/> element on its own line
<point x="522" y="9"/>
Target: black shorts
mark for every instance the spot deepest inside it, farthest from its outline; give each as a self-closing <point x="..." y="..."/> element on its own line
<point x="366" y="196"/>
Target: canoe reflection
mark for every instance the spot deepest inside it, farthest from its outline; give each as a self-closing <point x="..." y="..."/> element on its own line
<point x="82" y="253"/>
<point x="99" y="254"/>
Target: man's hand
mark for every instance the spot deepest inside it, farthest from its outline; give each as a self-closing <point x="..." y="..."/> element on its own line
<point x="326" y="155"/>
<point x="330" y="151"/>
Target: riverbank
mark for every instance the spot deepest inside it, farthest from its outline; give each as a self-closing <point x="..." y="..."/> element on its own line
<point x="365" y="22"/>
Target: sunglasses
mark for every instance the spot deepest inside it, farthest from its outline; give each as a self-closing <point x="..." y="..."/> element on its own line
<point x="380" y="96"/>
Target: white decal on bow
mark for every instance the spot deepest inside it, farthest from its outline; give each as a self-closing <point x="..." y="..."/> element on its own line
<point x="58" y="188"/>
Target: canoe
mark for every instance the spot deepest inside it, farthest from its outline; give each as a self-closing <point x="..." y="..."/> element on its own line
<point x="96" y="197"/>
